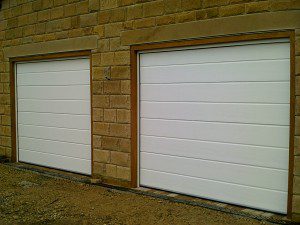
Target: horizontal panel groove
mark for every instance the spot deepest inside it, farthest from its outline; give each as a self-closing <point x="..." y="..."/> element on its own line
<point x="213" y="62"/>
<point x="209" y="141"/>
<point x="69" y="100"/>
<point x="55" y="140"/>
<point x="241" y="185"/>
<point x="54" y="71"/>
<point x="208" y="121"/>
<point x="210" y="102"/>
<point x="216" y="122"/>
<point x="47" y="153"/>
<point x="56" y="85"/>
<point x="217" y="161"/>
<point x="52" y="99"/>
<point x="33" y="125"/>
<point x="217" y="82"/>
<point x="71" y="114"/>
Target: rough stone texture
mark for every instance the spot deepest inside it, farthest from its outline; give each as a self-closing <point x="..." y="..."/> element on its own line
<point x="108" y="28"/>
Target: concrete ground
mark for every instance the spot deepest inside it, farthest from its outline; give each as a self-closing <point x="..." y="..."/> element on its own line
<point x="31" y="198"/>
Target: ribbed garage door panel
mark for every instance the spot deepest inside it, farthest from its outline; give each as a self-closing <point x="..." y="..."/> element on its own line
<point x="214" y="122"/>
<point x="54" y="122"/>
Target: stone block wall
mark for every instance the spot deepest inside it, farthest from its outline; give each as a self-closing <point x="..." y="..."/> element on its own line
<point x="116" y="24"/>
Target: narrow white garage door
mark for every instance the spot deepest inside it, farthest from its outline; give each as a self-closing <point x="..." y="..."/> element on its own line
<point x="54" y="122"/>
<point x="214" y="122"/>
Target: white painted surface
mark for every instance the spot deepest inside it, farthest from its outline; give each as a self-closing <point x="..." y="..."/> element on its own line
<point x="54" y="122"/>
<point x="214" y="123"/>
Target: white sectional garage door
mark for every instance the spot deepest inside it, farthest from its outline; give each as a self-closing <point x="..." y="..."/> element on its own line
<point x="53" y="102"/>
<point x="214" y="122"/>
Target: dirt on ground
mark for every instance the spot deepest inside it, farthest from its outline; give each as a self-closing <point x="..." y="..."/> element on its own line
<point x="32" y="198"/>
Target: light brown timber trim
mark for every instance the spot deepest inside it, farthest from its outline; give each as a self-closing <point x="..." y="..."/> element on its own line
<point x="15" y="60"/>
<point x="211" y="40"/>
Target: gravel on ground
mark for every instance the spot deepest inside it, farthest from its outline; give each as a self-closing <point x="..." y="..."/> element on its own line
<point x="32" y="198"/>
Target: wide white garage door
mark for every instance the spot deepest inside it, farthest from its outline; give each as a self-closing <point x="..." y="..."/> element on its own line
<point x="214" y="122"/>
<point x="54" y="122"/>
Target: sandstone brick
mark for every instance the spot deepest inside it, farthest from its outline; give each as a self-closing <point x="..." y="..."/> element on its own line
<point x="123" y="116"/>
<point x="103" y="45"/>
<point x="100" y="73"/>
<point x="6" y="141"/>
<point x="96" y="60"/>
<point x="296" y="204"/>
<point x="297" y="165"/>
<point x="119" y="130"/>
<point x="112" y="87"/>
<point x="107" y="58"/>
<point x="110" y="143"/>
<point x="122" y="58"/>
<point x="232" y="10"/>
<point x="125" y="145"/>
<point x="120" y="101"/>
<point x="172" y="6"/>
<point x="125" y="87"/>
<point x="191" y="4"/>
<point x="60" y="2"/>
<point x="297" y="67"/>
<point x="123" y="173"/>
<point x="143" y="23"/>
<point x="97" y="87"/>
<point x="297" y="104"/>
<point x="5" y="120"/>
<point x="104" y="17"/>
<point x="134" y="12"/>
<point x="186" y="17"/>
<point x="97" y="141"/>
<point x="296" y="188"/>
<point x="297" y="46"/>
<point x="155" y="8"/>
<point x="108" y="4"/>
<point x="297" y="145"/>
<point x="82" y="7"/>
<point x="163" y="20"/>
<point x="110" y="115"/>
<point x="213" y="3"/>
<point x="297" y="125"/>
<point x="207" y="13"/>
<point x="255" y="7"/>
<point x="126" y="2"/>
<point x="117" y="15"/>
<point x="111" y="170"/>
<point x="277" y="5"/>
<point x="57" y="13"/>
<point x="43" y="15"/>
<point x="46" y="4"/>
<point x="101" y="156"/>
<point x="88" y="20"/>
<point x="2" y="151"/>
<point x="113" y="30"/>
<point x="115" y="44"/>
<point x="27" y="8"/>
<point x="70" y="10"/>
<point x="101" y="128"/>
<point x="101" y="101"/>
<point x="120" y="158"/>
<point x="99" y="30"/>
<point x="94" y="5"/>
<point x="297" y="85"/>
<point x="99" y="169"/>
<point x="97" y="114"/>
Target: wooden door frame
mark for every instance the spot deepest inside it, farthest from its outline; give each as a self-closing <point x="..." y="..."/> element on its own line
<point x="13" y="99"/>
<point x="134" y="49"/>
